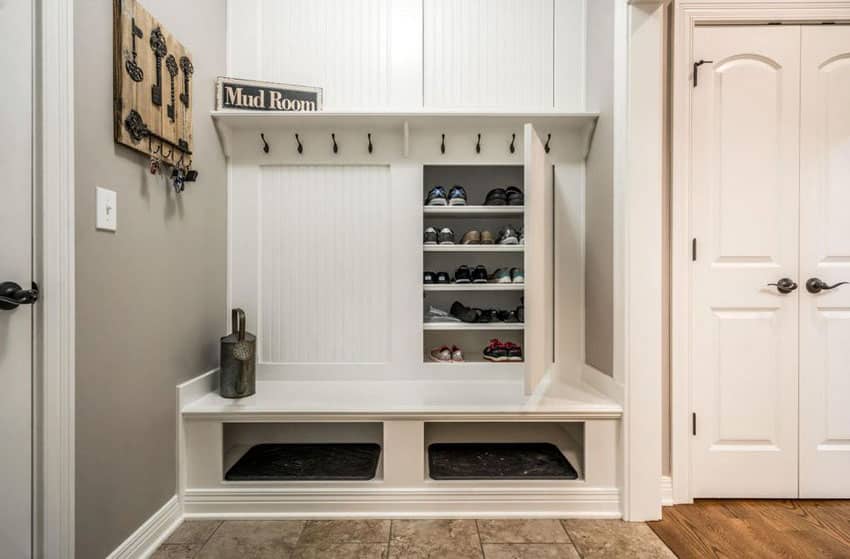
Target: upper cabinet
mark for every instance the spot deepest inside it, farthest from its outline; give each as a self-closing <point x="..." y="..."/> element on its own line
<point x="409" y="54"/>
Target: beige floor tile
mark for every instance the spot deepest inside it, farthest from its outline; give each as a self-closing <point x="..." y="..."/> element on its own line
<point x="434" y="539"/>
<point x="340" y="551"/>
<point x="603" y="539"/>
<point x="193" y="531"/>
<point x="345" y="531"/>
<point x="177" y="551"/>
<point x="522" y="531"/>
<point x="254" y="539"/>
<point x="530" y="551"/>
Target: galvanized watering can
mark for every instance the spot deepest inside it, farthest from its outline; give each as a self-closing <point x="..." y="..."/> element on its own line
<point x="238" y="360"/>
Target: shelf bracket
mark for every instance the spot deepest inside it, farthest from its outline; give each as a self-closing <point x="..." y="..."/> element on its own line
<point x="588" y="137"/>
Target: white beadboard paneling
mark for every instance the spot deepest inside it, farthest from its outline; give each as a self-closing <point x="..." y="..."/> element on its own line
<point x="325" y="264"/>
<point x="339" y="45"/>
<point x="489" y="53"/>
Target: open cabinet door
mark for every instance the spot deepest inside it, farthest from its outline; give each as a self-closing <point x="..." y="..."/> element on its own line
<point x="539" y="269"/>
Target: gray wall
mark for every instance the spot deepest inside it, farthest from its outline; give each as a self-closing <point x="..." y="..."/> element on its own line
<point x="599" y="201"/>
<point x="150" y="298"/>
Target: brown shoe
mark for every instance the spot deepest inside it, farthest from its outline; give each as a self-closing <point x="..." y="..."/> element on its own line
<point x="471" y="237"/>
<point x="487" y="238"/>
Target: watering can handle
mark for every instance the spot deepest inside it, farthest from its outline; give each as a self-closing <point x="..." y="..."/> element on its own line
<point x="238" y="317"/>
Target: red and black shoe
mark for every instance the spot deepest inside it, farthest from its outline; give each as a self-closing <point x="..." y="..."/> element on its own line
<point x="496" y="351"/>
<point x="514" y="351"/>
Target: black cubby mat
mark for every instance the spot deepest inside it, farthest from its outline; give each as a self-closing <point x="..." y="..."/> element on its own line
<point x="448" y="461"/>
<point x="307" y="462"/>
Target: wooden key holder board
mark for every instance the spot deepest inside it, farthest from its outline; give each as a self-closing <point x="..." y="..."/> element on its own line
<point x="152" y="86"/>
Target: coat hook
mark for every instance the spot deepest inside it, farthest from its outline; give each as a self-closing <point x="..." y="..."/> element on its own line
<point x="370" y="141"/>
<point x="546" y="147"/>
<point x="265" y="143"/>
<point x="167" y="155"/>
<point x="336" y="147"/>
<point x="513" y="140"/>
<point x="478" y="144"/>
<point x="443" y="144"/>
<point x="157" y="149"/>
<point x="300" y="147"/>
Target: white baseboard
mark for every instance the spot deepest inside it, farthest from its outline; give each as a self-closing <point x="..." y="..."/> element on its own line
<point x="269" y="503"/>
<point x="144" y="541"/>
<point x="666" y="491"/>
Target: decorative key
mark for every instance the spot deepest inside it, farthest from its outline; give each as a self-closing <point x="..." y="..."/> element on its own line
<point x="171" y="65"/>
<point x="160" y="50"/>
<point x="133" y="69"/>
<point x="188" y="69"/>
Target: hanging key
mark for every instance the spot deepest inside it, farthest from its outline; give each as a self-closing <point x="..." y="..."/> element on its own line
<point x="171" y="66"/>
<point x="160" y="50"/>
<point x="133" y="69"/>
<point x="188" y="69"/>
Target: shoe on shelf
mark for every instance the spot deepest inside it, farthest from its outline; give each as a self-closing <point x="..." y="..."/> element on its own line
<point x="489" y="315"/>
<point x="514" y="195"/>
<point x="446" y="236"/>
<point x="516" y="276"/>
<point x="442" y="354"/>
<point x="463" y="275"/>
<point x="429" y="277"/>
<point x="443" y="277"/>
<point x="501" y="275"/>
<point x="437" y="197"/>
<point x="496" y="351"/>
<point x="479" y="274"/>
<point x="487" y="238"/>
<point x="433" y="314"/>
<point x="457" y="196"/>
<point x="514" y="351"/>
<point x="508" y="236"/>
<point x="522" y="235"/>
<point x="457" y="354"/>
<point x="520" y="313"/>
<point x="508" y="316"/>
<point x="464" y="313"/>
<point x="496" y="197"/>
<point x="471" y="237"/>
<point x="430" y="236"/>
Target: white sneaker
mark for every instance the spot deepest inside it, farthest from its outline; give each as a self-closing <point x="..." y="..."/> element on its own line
<point x="441" y="354"/>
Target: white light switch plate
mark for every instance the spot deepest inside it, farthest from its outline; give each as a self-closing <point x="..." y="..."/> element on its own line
<point x="107" y="209"/>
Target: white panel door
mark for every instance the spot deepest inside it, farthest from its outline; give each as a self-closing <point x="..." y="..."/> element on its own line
<point x="745" y="193"/>
<point x="825" y="254"/>
<point x="16" y="266"/>
<point x="539" y="265"/>
<point x="494" y="53"/>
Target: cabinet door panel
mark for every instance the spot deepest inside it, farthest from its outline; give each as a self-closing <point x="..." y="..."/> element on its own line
<point x="825" y="254"/>
<point x="539" y="269"/>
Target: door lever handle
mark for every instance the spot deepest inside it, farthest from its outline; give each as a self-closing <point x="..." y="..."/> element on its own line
<point x="816" y="285"/>
<point x="784" y="286"/>
<point x="12" y="295"/>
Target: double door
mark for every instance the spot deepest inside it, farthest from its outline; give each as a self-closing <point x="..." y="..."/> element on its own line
<point x="770" y="199"/>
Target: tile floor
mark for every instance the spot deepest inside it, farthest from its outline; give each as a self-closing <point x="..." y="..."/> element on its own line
<point x="434" y="539"/>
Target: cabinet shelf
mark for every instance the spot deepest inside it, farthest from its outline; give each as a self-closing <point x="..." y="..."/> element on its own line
<point x="472" y="211"/>
<point x="473" y="327"/>
<point x="474" y="248"/>
<point x="475" y="287"/>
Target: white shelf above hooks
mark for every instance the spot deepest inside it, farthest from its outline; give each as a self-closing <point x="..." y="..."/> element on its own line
<point x="408" y="123"/>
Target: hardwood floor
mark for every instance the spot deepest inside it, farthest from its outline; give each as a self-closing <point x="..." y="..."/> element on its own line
<point x="757" y="529"/>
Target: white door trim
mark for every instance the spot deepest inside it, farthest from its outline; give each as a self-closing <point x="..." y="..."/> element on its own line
<point x="54" y="245"/>
<point x="689" y="14"/>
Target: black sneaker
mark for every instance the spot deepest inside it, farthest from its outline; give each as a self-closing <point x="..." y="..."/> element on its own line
<point x="508" y="316"/>
<point x="496" y="197"/>
<point x="479" y="274"/>
<point x="457" y="196"/>
<point x="446" y="236"/>
<point x="430" y="236"/>
<point x="437" y="197"/>
<point x="443" y="277"/>
<point x="515" y="196"/>
<point x="464" y="313"/>
<point x="496" y="351"/>
<point x="429" y="277"/>
<point x="508" y="236"/>
<point x="489" y="315"/>
<point x="463" y="275"/>
<point x="520" y="313"/>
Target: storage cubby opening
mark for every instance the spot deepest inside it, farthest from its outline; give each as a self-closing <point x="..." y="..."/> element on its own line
<point x="530" y="457"/>
<point x="472" y="343"/>
<point x="263" y="452"/>
<point x="477" y="180"/>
